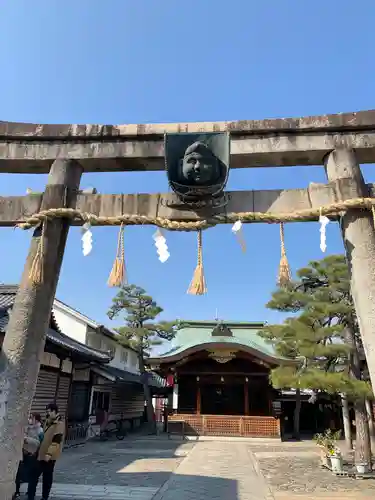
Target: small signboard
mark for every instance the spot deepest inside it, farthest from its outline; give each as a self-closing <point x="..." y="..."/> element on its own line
<point x="276" y="406"/>
<point x="176" y="428"/>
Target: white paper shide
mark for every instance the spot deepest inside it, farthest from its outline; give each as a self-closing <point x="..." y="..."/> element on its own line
<point x="323" y="221"/>
<point x="237" y="231"/>
<point x="86" y="239"/>
<point x="237" y="226"/>
<point x="161" y="246"/>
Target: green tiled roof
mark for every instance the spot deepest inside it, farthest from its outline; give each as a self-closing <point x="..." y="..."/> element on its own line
<point x="200" y="333"/>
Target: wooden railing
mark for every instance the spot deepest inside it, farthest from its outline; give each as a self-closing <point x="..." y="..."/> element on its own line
<point x="229" y="425"/>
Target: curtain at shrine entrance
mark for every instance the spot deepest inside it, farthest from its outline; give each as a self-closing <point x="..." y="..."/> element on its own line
<point x="222" y="399"/>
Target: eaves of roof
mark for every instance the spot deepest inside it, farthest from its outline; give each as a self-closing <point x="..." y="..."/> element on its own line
<point x="115" y="374"/>
<point x="57" y="338"/>
<point x="7" y="296"/>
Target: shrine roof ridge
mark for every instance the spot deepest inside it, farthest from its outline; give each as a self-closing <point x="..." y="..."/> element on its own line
<point x="359" y="120"/>
<point x="230" y="324"/>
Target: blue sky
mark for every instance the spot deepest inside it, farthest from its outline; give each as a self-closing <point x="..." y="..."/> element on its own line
<point x="123" y="61"/>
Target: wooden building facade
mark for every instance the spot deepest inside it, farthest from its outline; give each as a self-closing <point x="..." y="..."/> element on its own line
<point x="81" y="380"/>
<point x="121" y="395"/>
<point x="221" y="380"/>
<point x="62" y="365"/>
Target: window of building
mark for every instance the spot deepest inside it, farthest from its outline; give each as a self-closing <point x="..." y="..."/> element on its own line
<point x="124" y="356"/>
<point x="108" y="347"/>
<point x="100" y="401"/>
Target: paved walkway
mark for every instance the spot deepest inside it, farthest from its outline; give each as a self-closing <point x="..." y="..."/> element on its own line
<point x="155" y="468"/>
<point x="133" y="469"/>
<point x="216" y="470"/>
<point x="159" y="469"/>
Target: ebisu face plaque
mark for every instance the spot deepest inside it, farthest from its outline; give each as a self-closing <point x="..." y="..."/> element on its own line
<point x="197" y="166"/>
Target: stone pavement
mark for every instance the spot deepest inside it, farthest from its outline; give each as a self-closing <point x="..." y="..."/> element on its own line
<point x="141" y="469"/>
<point x="292" y="470"/>
<point x="133" y="469"/>
<point x="155" y="468"/>
<point x="216" y="470"/>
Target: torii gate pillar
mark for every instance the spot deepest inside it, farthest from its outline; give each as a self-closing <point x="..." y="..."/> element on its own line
<point x="26" y="332"/>
<point x="358" y="232"/>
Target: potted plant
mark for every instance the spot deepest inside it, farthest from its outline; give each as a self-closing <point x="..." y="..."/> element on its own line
<point x="336" y="459"/>
<point x="362" y="468"/>
<point x="321" y="441"/>
<point x="330" y="454"/>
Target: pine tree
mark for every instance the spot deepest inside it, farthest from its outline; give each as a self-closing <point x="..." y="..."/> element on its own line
<point x="141" y="332"/>
<point x="323" y="338"/>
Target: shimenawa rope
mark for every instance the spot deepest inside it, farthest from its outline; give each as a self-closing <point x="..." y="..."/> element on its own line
<point x="198" y="284"/>
<point x="333" y="209"/>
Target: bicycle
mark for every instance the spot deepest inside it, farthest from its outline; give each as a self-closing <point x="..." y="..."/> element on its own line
<point x="118" y="431"/>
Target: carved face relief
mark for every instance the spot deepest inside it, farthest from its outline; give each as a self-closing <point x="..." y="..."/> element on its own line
<point x="199" y="166"/>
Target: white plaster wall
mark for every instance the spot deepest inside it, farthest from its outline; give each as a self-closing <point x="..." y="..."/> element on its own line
<point x="79" y="330"/>
<point x="128" y="362"/>
<point x="108" y="343"/>
<point x="71" y="326"/>
<point x="51" y="360"/>
<point x="81" y="375"/>
<point x="132" y="364"/>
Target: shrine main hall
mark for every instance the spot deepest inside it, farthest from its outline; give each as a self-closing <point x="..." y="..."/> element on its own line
<point x="220" y="376"/>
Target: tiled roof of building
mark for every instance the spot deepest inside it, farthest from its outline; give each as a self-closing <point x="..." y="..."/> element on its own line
<point x="54" y="335"/>
<point x="57" y="337"/>
<point x="202" y="334"/>
<point x="128" y="377"/>
<point x="7" y="295"/>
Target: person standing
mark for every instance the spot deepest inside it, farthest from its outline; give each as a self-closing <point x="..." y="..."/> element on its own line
<point x="49" y="451"/>
<point x="33" y="438"/>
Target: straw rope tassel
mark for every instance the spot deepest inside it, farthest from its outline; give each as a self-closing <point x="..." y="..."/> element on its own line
<point x="117" y="276"/>
<point x="285" y="276"/>
<point x="121" y="266"/>
<point x="37" y="266"/>
<point x="198" y="283"/>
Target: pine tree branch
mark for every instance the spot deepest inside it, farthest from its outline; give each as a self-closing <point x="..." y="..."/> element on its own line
<point x="324" y="306"/>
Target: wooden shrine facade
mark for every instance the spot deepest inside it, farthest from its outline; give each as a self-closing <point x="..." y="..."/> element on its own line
<point x="221" y="385"/>
<point x="234" y="398"/>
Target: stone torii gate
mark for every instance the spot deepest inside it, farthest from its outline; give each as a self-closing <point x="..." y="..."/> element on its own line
<point x="339" y="142"/>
